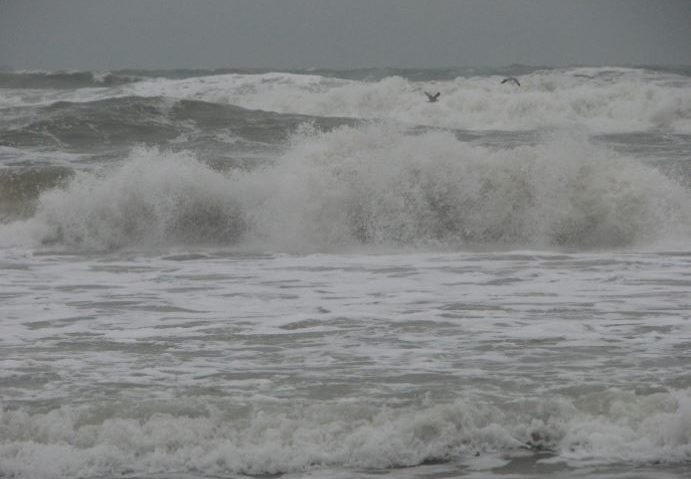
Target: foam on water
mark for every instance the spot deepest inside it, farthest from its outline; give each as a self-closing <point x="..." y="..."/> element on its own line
<point x="146" y="331"/>
<point x="372" y="185"/>
<point x="196" y="437"/>
<point x="600" y="99"/>
<point x="377" y="185"/>
<point x="151" y="199"/>
<point x="613" y="100"/>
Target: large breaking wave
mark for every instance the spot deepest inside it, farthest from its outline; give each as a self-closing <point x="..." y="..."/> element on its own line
<point x="371" y="185"/>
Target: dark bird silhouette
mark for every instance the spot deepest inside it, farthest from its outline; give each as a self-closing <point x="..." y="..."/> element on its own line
<point x="432" y="98"/>
<point x="510" y="79"/>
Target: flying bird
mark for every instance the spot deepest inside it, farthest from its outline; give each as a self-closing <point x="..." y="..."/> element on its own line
<point x="510" y="79"/>
<point x="432" y="98"/>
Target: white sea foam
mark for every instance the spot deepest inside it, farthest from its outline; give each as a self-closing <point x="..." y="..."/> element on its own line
<point x="612" y="100"/>
<point x="599" y="99"/>
<point x="372" y="185"/>
<point x="175" y="353"/>
<point x="89" y="442"/>
<point x="153" y="197"/>
<point x="376" y="185"/>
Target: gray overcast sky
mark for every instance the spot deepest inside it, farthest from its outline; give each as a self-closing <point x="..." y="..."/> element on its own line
<point x="110" y="34"/>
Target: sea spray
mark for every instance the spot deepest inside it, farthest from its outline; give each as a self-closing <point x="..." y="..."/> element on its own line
<point x="153" y="198"/>
<point x="378" y="185"/>
<point x="375" y="185"/>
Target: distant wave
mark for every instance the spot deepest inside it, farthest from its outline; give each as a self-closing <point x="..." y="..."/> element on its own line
<point x="602" y="100"/>
<point x="370" y="186"/>
<point x="65" y="124"/>
<point x="63" y="80"/>
<point x="127" y="120"/>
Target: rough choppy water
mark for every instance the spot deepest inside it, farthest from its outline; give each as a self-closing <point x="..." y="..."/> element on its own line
<point x="255" y="273"/>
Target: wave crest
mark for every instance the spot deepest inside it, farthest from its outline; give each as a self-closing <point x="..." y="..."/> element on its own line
<point x="271" y="439"/>
<point x="603" y="100"/>
<point x="152" y="199"/>
<point x="375" y="186"/>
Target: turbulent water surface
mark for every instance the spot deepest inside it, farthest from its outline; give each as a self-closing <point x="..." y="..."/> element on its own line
<point x="320" y="274"/>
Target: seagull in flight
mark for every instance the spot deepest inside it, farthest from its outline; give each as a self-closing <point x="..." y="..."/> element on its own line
<point x="510" y="79"/>
<point x="433" y="98"/>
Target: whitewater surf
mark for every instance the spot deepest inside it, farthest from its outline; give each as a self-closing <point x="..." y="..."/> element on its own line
<point x="321" y="274"/>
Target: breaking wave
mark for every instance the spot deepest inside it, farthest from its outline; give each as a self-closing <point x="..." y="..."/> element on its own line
<point x="191" y="436"/>
<point x="371" y="185"/>
<point x="603" y="100"/>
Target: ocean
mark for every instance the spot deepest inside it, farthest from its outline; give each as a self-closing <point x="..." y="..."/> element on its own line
<point x="319" y="273"/>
